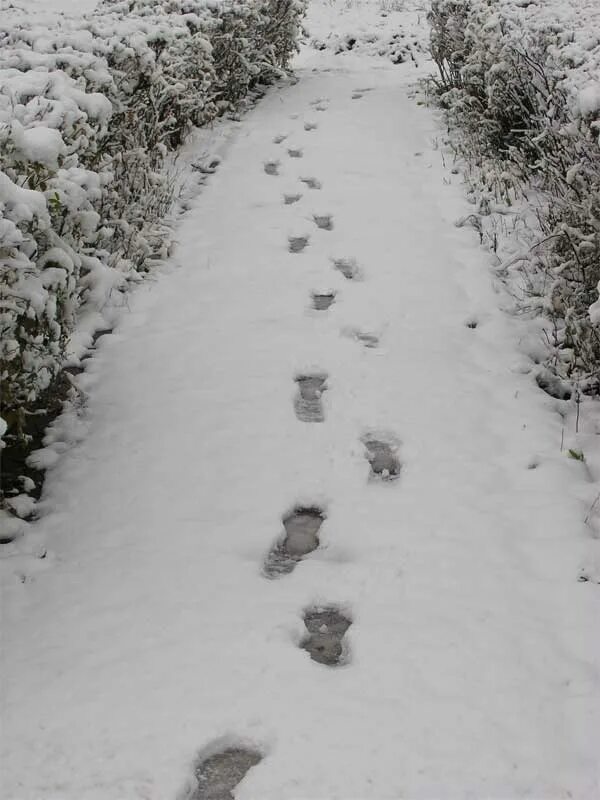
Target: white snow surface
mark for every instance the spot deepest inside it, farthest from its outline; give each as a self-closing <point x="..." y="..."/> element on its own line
<point x="70" y="7"/>
<point x="148" y="631"/>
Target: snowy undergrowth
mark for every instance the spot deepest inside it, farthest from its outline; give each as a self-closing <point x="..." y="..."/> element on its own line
<point x="392" y="29"/>
<point x="519" y="83"/>
<point x="90" y="111"/>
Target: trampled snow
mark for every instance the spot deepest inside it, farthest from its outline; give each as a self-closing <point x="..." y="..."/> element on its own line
<point x="148" y="631"/>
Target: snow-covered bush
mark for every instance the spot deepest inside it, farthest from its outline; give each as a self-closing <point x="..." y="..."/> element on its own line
<point x="520" y="83"/>
<point x="89" y="110"/>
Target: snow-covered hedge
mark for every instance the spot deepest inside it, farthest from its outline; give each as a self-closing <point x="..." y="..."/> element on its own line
<point x="89" y="110"/>
<point x="521" y="85"/>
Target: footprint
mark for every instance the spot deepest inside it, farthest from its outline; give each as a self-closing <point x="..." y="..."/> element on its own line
<point x="288" y="199"/>
<point x="99" y="334"/>
<point x="302" y="528"/>
<point x="308" y="404"/>
<point x="472" y="323"/>
<point x="296" y="244"/>
<point x="312" y="183"/>
<point x="295" y="152"/>
<point x="281" y="138"/>
<point x="369" y="340"/>
<point x="272" y="167"/>
<point x="348" y="267"/>
<point x="382" y="456"/>
<point x="324" y="221"/>
<point x="553" y="385"/>
<point x="326" y="629"/>
<point x="323" y="300"/>
<point x="206" y="167"/>
<point x="310" y="126"/>
<point x="357" y="95"/>
<point x="219" y="774"/>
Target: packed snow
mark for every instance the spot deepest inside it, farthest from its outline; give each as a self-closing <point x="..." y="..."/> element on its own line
<point x="458" y="529"/>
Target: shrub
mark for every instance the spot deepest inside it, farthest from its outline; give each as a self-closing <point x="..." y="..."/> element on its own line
<point x="518" y="83"/>
<point x="89" y="110"/>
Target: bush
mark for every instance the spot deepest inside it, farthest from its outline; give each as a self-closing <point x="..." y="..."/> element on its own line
<point x="519" y="86"/>
<point x="89" y="110"/>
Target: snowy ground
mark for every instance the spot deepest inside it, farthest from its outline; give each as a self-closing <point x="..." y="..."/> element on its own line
<point x="149" y="631"/>
<point x="66" y="6"/>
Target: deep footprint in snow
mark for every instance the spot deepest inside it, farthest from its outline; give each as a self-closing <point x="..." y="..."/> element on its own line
<point x="348" y="267"/>
<point x="312" y="183"/>
<point x="323" y="221"/>
<point x="295" y="152"/>
<point x="310" y="126"/>
<point x="326" y="629"/>
<point x="357" y="95"/>
<point x="281" y="138"/>
<point x="296" y="244"/>
<point x="308" y="405"/>
<point x="323" y="300"/>
<point x="219" y="774"/>
<point x="383" y="458"/>
<point x="553" y="385"/>
<point x="302" y="528"/>
<point x="272" y="167"/>
<point x="288" y="199"/>
<point x="99" y="334"/>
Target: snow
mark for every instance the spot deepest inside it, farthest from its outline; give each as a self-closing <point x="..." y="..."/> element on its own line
<point x="40" y="145"/>
<point x="147" y="632"/>
<point x="70" y="7"/>
<point x="589" y="100"/>
<point x="595" y="310"/>
<point x="23" y="202"/>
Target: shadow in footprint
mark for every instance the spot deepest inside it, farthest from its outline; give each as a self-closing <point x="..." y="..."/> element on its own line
<point x="356" y="95"/>
<point x="296" y="244"/>
<point x="323" y="300"/>
<point x="99" y="334"/>
<point x="326" y="629"/>
<point x="382" y="457"/>
<point x="308" y="405"/>
<point x="279" y="139"/>
<point x="272" y="167"/>
<point x="553" y="385"/>
<point x="312" y="183"/>
<point x="302" y="528"/>
<point x="323" y="221"/>
<point x="219" y="774"/>
<point x="310" y="126"/>
<point x="288" y="199"/>
<point x="348" y="267"/>
<point x="295" y="152"/>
